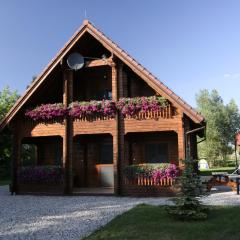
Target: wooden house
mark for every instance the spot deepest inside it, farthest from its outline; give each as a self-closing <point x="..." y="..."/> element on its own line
<point x="94" y="151"/>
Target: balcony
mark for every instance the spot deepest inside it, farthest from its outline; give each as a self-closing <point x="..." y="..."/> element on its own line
<point x="139" y="114"/>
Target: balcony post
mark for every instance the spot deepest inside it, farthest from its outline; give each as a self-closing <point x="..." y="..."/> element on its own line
<point x="118" y="136"/>
<point x="181" y="141"/>
<point x="16" y="158"/>
<point x="115" y="134"/>
<point x="68" y="135"/>
<point x="121" y="131"/>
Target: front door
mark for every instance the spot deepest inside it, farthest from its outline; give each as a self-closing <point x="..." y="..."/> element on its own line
<point x="105" y="166"/>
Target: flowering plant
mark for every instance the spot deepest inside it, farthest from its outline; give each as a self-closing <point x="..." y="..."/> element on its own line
<point x="92" y="108"/>
<point x="171" y="171"/>
<point x="41" y="174"/>
<point x="132" y="106"/>
<point x="154" y="171"/>
<point x="47" y="112"/>
<point x="126" y="106"/>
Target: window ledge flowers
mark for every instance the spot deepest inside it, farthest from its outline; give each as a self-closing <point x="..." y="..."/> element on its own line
<point x="157" y="172"/>
<point x="40" y="175"/>
<point x="106" y="108"/>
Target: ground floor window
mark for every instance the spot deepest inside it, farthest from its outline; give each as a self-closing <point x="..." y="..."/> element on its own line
<point x="157" y="153"/>
<point x="106" y="153"/>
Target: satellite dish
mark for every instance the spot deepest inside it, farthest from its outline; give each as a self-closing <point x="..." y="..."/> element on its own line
<point x="75" y="61"/>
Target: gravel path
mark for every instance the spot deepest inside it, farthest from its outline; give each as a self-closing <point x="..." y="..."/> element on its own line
<point x="45" y="218"/>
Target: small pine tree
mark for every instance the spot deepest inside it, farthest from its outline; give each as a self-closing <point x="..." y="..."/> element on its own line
<point x="188" y="206"/>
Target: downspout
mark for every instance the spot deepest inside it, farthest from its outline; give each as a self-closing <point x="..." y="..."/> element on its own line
<point x="191" y="132"/>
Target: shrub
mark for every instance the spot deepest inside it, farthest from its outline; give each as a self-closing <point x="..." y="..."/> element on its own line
<point x="40" y="175"/>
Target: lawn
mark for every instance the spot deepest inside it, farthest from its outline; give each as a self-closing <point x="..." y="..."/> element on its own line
<point x="4" y="182"/>
<point x="152" y="223"/>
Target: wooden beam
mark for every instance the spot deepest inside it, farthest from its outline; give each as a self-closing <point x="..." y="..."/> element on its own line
<point x="68" y="136"/>
<point x="16" y="158"/>
<point x="181" y="141"/>
<point x="116" y="133"/>
<point x="99" y="62"/>
<point x="121" y="130"/>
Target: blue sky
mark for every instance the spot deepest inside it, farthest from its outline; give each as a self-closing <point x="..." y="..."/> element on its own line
<point x="189" y="45"/>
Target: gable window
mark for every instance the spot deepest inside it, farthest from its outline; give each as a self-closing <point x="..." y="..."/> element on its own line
<point x="157" y="153"/>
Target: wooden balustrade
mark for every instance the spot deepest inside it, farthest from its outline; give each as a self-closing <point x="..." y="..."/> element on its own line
<point x="94" y="118"/>
<point x="30" y="122"/>
<point x="165" y="112"/>
<point x="149" y="181"/>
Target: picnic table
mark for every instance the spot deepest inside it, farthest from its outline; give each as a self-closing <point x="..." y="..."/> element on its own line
<point x="235" y="177"/>
<point x="225" y="179"/>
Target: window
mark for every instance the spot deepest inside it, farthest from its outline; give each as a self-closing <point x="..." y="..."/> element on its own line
<point x="157" y="153"/>
<point x="106" y="94"/>
<point x="106" y="154"/>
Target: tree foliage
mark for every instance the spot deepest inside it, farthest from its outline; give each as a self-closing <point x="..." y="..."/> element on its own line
<point x="223" y="121"/>
<point x="7" y="100"/>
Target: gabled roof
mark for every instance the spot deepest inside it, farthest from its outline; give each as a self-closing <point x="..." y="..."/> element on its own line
<point x="152" y="81"/>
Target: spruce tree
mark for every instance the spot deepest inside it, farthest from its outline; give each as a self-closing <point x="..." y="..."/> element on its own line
<point x="188" y="205"/>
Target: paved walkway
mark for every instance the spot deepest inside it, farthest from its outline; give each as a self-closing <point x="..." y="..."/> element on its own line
<point x="45" y="218"/>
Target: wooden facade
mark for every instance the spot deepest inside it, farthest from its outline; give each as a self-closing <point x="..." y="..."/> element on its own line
<point x="85" y="147"/>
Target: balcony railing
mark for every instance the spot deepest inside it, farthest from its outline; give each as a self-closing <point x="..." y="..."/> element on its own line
<point x="149" y="181"/>
<point x="165" y="112"/>
<point x="93" y="118"/>
<point x="130" y="108"/>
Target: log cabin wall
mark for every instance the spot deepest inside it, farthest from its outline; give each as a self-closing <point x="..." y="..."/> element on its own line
<point x="124" y="77"/>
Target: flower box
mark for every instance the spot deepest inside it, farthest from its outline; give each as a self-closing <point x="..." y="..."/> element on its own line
<point x="105" y="108"/>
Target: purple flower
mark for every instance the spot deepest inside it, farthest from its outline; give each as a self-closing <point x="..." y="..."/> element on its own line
<point x="41" y="175"/>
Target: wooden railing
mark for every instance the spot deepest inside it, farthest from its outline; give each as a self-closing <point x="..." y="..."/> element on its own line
<point x="165" y="112"/>
<point x="149" y="181"/>
<point x="93" y="118"/>
<point x="30" y="122"/>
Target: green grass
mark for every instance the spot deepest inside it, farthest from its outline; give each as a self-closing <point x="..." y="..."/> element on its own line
<point x="208" y="172"/>
<point x="153" y="223"/>
<point x="4" y="182"/>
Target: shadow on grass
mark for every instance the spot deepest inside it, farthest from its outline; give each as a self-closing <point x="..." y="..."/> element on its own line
<point x="151" y="222"/>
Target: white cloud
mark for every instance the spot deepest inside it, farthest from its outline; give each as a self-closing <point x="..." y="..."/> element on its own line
<point x="232" y="75"/>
